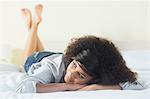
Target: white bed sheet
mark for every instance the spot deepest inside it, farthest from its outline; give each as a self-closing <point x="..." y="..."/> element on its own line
<point x="101" y="94"/>
<point x="9" y="77"/>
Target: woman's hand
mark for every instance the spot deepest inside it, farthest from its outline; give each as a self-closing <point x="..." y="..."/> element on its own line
<point x="92" y="87"/>
<point x="73" y="87"/>
<point x="100" y="87"/>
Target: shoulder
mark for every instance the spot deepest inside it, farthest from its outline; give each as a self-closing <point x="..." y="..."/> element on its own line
<point x="54" y="59"/>
<point x="56" y="65"/>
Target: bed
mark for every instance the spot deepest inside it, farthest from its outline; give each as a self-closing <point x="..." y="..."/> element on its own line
<point x="137" y="60"/>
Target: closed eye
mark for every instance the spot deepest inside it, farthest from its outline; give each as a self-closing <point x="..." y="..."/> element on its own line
<point x="82" y="76"/>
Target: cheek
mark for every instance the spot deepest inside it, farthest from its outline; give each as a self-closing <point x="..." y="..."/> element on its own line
<point x="66" y="75"/>
<point x="69" y="67"/>
<point x="65" y="79"/>
<point x="68" y="78"/>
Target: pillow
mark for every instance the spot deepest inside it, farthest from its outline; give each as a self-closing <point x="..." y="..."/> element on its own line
<point x="16" y="56"/>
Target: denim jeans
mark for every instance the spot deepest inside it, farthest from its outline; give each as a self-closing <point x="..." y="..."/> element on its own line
<point x="36" y="57"/>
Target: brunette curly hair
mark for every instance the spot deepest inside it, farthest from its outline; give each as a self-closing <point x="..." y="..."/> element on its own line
<point x="101" y="59"/>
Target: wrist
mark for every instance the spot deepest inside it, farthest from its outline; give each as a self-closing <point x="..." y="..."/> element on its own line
<point x="65" y="86"/>
<point x="114" y="87"/>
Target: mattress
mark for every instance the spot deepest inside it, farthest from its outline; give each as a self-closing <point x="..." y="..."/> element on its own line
<point x="138" y="61"/>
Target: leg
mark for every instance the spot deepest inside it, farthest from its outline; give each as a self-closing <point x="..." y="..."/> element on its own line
<point x="39" y="45"/>
<point x="33" y="42"/>
<point x="28" y="17"/>
<point x="38" y="11"/>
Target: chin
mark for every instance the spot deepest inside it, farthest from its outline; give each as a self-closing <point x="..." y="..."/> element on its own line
<point x="66" y="79"/>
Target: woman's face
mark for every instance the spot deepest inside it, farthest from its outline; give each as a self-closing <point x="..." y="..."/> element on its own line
<point x="75" y="74"/>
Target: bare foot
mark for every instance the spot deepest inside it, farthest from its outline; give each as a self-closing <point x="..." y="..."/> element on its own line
<point x="38" y="12"/>
<point x="27" y="14"/>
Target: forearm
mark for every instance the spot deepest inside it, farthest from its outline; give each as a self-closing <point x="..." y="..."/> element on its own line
<point x="113" y="87"/>
<point x="101" y="87"/>
<point x="52" y="87"/>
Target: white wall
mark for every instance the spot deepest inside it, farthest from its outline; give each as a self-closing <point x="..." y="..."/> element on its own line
<point x="124" y="21"/>
<point x="148" y="11"/>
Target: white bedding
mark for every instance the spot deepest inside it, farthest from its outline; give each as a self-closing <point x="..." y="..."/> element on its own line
<point x="137" y="60"/>
<point x="102" y="94"/>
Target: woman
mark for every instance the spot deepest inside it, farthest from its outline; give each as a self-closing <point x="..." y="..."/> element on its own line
<point x="89" y="63"/>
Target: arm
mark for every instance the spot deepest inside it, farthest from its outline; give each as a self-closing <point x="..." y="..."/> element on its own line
<point x="100" y="87"/>
<point x="55" y="87"/>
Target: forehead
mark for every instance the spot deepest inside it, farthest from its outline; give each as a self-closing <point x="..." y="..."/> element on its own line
<point x="81" y="67"/>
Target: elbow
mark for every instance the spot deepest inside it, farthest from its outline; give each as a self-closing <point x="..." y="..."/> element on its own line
<point x="26" y="87"/>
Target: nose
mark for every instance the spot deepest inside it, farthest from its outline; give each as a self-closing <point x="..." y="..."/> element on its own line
<point x="73" y="74"/>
